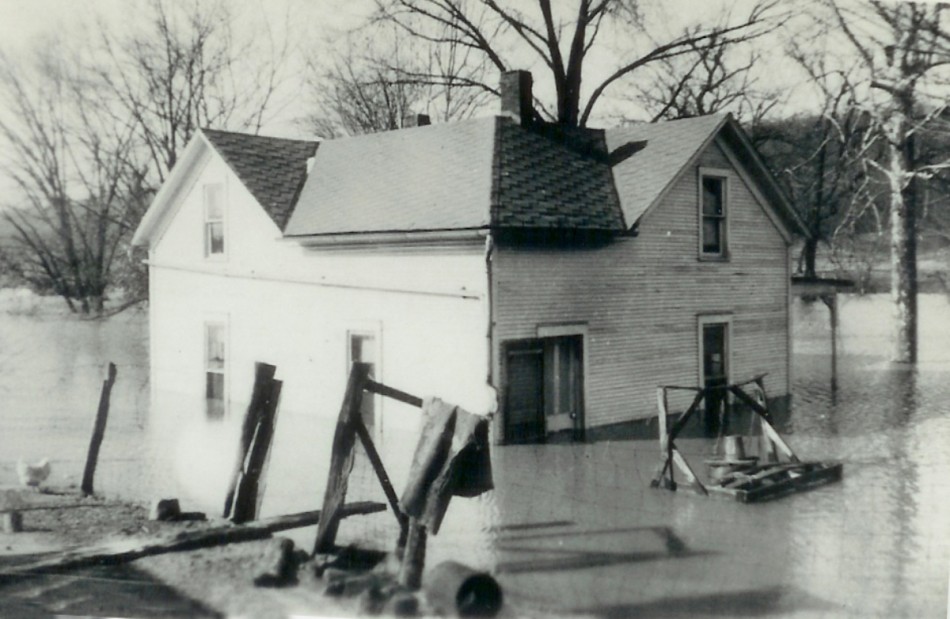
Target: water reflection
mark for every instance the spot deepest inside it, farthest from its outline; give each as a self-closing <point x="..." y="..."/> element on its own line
<point x="579" y="530"/>
<point x="576" y="527"/>
<point x="51" y="371"/>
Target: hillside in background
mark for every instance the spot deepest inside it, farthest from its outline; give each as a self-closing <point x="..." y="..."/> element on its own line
<point x="867" y="261"/>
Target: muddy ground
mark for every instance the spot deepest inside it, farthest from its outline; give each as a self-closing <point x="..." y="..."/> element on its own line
<point x="212" y="582"/>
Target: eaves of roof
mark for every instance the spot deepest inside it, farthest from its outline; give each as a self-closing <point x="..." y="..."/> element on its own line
<point x="272" y="169"/>
<point x="648" y="159"/>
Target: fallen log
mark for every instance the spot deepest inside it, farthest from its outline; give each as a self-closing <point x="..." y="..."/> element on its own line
<point x="123" y="551"/>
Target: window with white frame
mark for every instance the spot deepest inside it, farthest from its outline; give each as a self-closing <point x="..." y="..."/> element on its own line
<point x="362" y="348"/>
<point x="214" y="219"/>
<point x="215" y="370"/>
<point x="713" y="196"/>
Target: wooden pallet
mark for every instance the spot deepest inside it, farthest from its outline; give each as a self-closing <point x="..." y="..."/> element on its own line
<point x="751" y="484"/>
<point x="772" y="481"/>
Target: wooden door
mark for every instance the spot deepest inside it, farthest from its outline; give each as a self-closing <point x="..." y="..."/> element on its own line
<point x="563" y="388"/>
<point x="524" y="398"/>
<point x="544" y="398"/>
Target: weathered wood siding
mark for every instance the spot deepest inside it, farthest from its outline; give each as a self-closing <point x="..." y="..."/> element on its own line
<point x="641" y="299"/>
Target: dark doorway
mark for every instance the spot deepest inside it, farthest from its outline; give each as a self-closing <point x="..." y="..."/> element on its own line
<point x="715" y="374"/>
<point x="544" y="396"/>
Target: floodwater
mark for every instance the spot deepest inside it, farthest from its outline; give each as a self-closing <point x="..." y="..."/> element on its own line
<point x="576" y="529"/>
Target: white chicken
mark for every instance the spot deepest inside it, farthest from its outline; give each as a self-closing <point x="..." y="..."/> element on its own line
<point x="33" y="474"/>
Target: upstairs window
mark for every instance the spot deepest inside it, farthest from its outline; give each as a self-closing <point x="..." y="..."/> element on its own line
<point x="713" y="194"/>
<point x="215" y="370"/>
<point x="214" y="219"/>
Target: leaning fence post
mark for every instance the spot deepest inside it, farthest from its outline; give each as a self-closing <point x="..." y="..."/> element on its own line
<point x="98" y="430"/>
<point x="263" y="375"/>
<point x="341" y="459"/>
<point x="248" y="492"/>
<point x="414" y="555"/>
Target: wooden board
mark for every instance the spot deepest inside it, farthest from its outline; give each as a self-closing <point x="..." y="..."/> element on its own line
<point x="341" y="458"/>
<point x="124" y="551"/>
<point x="776" y="481"/>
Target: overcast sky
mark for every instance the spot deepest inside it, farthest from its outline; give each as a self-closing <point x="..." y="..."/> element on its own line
<point x="313" y="23"/>
<point x="25" y="19"/>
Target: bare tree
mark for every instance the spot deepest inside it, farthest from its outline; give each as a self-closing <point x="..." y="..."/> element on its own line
<point x="713" y="78"/>
<point x="904" y="50"/>
<point x="501" y="33"/>
<point x="380" y="79"/>
<point x="362" y="91"/>
<point x="818" y="157"/>
<point x="90" y="134"/>
<point x="185" y="68"/>
<point x="81" y="188"/>
<point x="353" y="100"/>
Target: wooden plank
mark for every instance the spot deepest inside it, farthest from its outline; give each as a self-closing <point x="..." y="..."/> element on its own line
<point x="264" y="462"/>
<point x="681" y="422"/>
<point x="687" y="471"/>
<point x="743" y="481"/>
<point x="390" y="392"/>
<point x="98" y="431"/>
<point x="125" y="551"/>
<point x="682" y="388"/>
<point x="341" y="459"/>
<point x="414" y="556"/>
<point x="778" y="441"/>
<point x="263" y="375"/>
<point x="247" y="496"/>
<point x="661" y="418"/>
<point x="381" y="474"/>
<point x="821" y="476"/>
<point x="749" y="401"/>
<point x="766" y="419"/>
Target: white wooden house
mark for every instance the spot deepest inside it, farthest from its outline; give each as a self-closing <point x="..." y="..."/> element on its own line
<point x="558" y="276"/>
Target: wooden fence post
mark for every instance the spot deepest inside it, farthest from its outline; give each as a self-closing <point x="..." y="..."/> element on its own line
<point x="248" y="492"/>
<point x="341" y="459"/>
<point x="831" y="300"/>
<point x="98" y="431"/>
<point x="260" y="393"/>
<point x="414" y="556"/>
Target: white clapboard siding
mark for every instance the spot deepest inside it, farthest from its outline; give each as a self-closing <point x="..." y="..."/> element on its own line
<point x="426" y="309"/>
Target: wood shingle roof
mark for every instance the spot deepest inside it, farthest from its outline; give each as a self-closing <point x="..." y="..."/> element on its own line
<point x="272" y="169"/>
<point x="483" y="174"/>
<point x="551" y="178"/>
<point x="489" y="173"/>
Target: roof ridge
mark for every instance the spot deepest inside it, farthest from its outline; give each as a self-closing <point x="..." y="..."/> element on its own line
<point x="718" y="116"/>
<point x="401" y="131"/>
<point x="208" y="130"/>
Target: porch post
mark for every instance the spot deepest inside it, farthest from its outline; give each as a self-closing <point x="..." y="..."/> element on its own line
<point x="831" y="300"/>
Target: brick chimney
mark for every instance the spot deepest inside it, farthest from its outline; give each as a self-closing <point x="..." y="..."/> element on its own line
<point x="516" y="97"/>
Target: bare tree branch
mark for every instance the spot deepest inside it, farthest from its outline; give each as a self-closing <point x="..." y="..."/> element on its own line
<point x="465" y="24"/>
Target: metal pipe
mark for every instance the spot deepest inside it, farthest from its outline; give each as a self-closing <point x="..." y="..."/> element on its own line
<point x="453" y="588"/>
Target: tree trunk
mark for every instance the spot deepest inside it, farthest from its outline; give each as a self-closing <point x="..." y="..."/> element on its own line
<point x="903" y="252"/>
<point x="809" y="251"/>
<point x="96" y="304"/>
